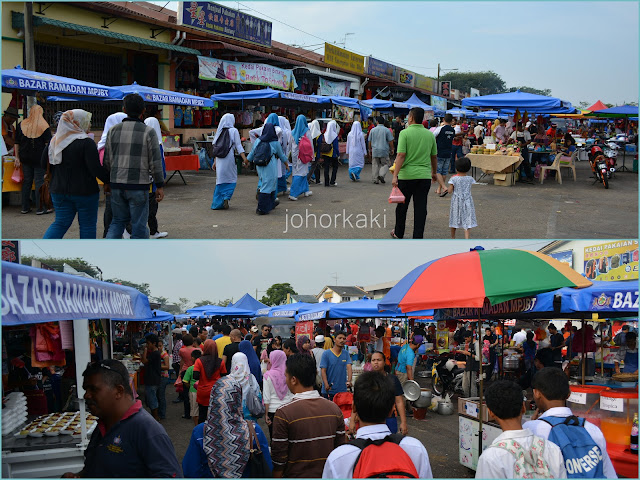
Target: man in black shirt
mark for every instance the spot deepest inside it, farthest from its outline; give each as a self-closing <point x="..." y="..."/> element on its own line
<point x="444" y="140"/>
<point x="232" y="348"/>
<point x="261" y="341"/>
<point x="153" y="364"/>
<point x="557" y="342"/>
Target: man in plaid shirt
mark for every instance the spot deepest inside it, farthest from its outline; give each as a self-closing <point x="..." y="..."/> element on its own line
<point x="132" y="156"/>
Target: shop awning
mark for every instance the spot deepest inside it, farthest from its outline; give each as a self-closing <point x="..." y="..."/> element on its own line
<point x="336" y="76"/>
<point x="17" y="21"/>
<point x="258" y="53"/>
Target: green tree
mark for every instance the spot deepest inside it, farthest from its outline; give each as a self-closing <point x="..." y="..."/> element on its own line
<point x="183" y="304"/>
<point x="224" y="303"/>
<point x="276" y="294"/>
<point x="583" y="105"/>
<point x="79" y="264"/>
<point x="546" y="92"/>
<point x="202" y="303"/>
<point x="141" y="287"/>
<point x="487" y="82"/>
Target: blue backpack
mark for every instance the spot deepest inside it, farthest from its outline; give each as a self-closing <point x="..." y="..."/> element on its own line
<point x="582" y="456"/>
<point x="262" y="155"/>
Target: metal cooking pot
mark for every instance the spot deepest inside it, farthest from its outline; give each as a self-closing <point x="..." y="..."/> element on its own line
<point x="411" y="390"/>
<point x="511" y="362"/>
<point x="425" y="399"/>
<point x="445" y="408"/>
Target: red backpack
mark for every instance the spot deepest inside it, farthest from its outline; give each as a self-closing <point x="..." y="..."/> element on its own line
<point x="305" y="149"/>
<point x="383" y="458"/>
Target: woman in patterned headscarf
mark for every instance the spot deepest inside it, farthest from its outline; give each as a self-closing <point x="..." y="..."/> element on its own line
<point x="220" y="446"/>
<point x="74" y="163"/>
<point x="241" y="373"/>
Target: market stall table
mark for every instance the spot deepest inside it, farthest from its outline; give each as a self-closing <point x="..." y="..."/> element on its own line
<point x="176" y="163"/>
<point x="496" y="164"/>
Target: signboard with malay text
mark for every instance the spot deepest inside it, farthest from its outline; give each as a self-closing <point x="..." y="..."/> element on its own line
<point x="219" y="20"/>
<point x="425" y="83"/>
<point x="248" y="73"/>
<point x="329" y="88"/>
<point x="339" y="57"/>
<point x="612" y="261"/>
<point x="380" y="69"/>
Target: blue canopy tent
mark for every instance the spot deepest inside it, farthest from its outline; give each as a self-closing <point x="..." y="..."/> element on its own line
<point x="460" y="112"/>
<point x="30" y="81"/>
<point x="344" y="101"/>
<point x="515" y="99"/>
<point x="218" y="311"/>
<point x="246" y="95"/>
<point x="365" y="308"/>
<point x="384" y="105"/>
<point x="288" y="310"/>
<point x="247" y="302"/>
<point x="34" y="295"/>
<point x="156" y="316"/>
<point x="621" y="111"/>
<point x="269" y="96"/>
<point x="414" y="101"/>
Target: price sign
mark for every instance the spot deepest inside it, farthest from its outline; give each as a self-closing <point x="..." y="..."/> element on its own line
<point x="611" y="404"/>
<point x="471" y="409"/>
<point x="576" y="397"/>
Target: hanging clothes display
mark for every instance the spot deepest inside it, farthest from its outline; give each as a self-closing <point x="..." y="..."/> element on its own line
<point x="46" y="345"/>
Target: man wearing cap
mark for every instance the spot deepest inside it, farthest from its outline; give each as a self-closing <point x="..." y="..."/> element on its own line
<point x="317" y="351"/>
<point x="479" y="133"/>
<point x="9" y="118"/>
<point x="127" y="442"/>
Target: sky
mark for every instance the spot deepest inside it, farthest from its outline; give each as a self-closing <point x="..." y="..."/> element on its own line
<point x="582" y="51"/>
<point x="221" y="269"/>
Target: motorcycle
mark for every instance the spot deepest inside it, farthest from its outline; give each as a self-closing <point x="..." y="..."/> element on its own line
<point x="446" y="376"/>
<point x="599" y="166"/>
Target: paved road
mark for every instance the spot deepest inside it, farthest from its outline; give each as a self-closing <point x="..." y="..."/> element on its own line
<point x="360" y="210"/>
<point x="438" y="433"/>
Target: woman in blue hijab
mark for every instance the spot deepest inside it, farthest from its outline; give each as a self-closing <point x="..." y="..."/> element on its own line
<point x="300" y="183"/>
<point x="254" y="364"/>
<point x="268" y="174"/>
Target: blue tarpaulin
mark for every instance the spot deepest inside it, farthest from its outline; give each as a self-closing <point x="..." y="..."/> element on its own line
<point x="515" y="99"/>
<point x="156" y="316"/>
<point x="247" y="302"/>
<point x="218" y="311"/>
<point x="35" y="295"/>
<point x="165" y="97"/>
<point x="345" y="101"/>
<point x="365" y="308"/>
<point x="287" y="310"/>
<point x="28" y="80"/>
<point x="378" y="104"/>
<point x="246" y="95"/>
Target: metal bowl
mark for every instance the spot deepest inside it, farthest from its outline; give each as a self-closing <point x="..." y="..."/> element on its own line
<point x="445" y="408"/>
<point x="411" y="390"/>
<point x="425" y="399"/>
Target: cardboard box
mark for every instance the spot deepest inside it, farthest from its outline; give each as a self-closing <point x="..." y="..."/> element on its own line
<point x="504" y="179"/>
<point x="469" y="407"/>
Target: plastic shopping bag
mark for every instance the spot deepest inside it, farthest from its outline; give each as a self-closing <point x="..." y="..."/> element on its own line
<point x="17" y="175"/>
<point x="396" y="196"/>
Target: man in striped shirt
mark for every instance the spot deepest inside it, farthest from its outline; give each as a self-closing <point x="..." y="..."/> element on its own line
<point x="307" y="429"/>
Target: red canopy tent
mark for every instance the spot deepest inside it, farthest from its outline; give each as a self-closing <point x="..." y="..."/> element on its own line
<point x="597" y="106"/>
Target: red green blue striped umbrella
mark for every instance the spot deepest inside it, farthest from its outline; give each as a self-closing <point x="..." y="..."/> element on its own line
<point x="467" y="279"/>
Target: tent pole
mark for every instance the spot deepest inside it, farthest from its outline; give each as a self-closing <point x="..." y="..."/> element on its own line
<point x="602" y="349"/>
<point x="481" y="392"/>
<point x="584" y="341"/>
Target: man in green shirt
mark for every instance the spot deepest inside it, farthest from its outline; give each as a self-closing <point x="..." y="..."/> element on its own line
<point x="415" y="168"/>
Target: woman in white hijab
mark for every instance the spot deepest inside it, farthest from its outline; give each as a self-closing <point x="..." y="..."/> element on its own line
<point x="314" y="168"/>
<point x="73" y="157"/>
<point x="286" y="141"/>
<point x="356" y="150"/>
<point x="330" y="151"/>
<point x="241" y="373"/>
<point x="226" y="169"/>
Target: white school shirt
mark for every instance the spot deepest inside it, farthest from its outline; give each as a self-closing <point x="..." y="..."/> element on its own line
<point x="226" y="169"/>
<point x="497" y="462"/>
<point x="341" y="461"/>
<point x="542" y="429"/>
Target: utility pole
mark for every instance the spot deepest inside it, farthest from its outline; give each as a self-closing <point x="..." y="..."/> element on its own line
<point x="335" y="275"/>
<point x="438" y="83"/>
<point x="29" y="49"/>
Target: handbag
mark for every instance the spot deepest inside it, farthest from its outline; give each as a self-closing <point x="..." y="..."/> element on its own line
<point x="259" y="468"/>
<point x="254" y="404"/>
<point x="178" y="385"/>
<point x="17" y="175"/>
<point x="45" y="196"/>
<point x="396" y="196"/>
